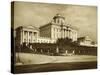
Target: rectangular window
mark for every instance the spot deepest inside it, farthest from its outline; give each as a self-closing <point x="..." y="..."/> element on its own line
<point x="30" y="33"/>
<point x="34" y="33"/>
<point x="29" y="40"/>
<point x="25" y="33"/>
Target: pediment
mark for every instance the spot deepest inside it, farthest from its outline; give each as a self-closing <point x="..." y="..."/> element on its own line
<point x="31" y="27"/>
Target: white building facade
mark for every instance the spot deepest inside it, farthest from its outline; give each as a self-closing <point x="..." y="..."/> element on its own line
<point x="57" y="28"/>
<point x="48" y="33"/>
<point x="86" y="41"/>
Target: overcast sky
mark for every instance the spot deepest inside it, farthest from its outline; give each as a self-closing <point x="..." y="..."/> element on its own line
<point x="38" y="14"/>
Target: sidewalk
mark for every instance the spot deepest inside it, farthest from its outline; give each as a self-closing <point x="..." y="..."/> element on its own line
<point x="27" y="58"/>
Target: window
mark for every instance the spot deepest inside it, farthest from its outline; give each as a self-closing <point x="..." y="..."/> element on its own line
<point x="58" y="21"/>
<point x="29" y="40"/>
<point x="33" y="40"/>
<point x="34" y="33"/>
<point x="30" y="33"/>
<point x="25" y="32"/>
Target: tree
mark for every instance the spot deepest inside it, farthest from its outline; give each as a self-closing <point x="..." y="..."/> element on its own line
<point x="64" y="41"/>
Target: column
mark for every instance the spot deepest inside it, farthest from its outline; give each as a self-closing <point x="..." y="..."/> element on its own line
<point x="75" y="36"/>
<point x="36" y="38"/>
<point x="55" y="33"/>
<point x="72" y="35"/>
<point x="65" y="33"/>
<point x="68" y="33"/>
<point x="32" y="37"/>
<point x="61" y="33"/>
<point x="21" y="37"/>
<point x="27" y="36"/>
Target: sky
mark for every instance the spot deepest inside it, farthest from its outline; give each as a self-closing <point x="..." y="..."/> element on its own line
<point x="84" y="18"/>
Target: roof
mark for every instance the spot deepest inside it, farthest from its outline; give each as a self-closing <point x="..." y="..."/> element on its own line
<point x="48" y="24"/>
<point x="73" y="27"/>
<point x="45" y="25"/>
<point x="30" y="27"/>
<point x="80" y="38"/>
<point x="58" y="16"/>
<point x="84" y="38"/>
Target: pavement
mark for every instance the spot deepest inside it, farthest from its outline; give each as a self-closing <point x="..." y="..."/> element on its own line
<point x="29" y="58"/>
<point x="55" y="67"/>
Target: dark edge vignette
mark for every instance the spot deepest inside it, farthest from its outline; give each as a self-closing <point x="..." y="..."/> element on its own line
<point x="12" y="38"/>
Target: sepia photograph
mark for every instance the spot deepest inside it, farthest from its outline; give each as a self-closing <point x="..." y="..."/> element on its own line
<point x="48" y="37"/>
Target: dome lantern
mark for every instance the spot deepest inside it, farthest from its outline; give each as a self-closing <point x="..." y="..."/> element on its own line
<point x="58" y="19"/>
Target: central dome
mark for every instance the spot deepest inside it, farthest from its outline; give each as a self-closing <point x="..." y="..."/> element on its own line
<point x="58" y="19"/>
<point x="58" y="16"/>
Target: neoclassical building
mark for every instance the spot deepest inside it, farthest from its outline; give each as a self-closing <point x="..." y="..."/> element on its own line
<point x="86" y="41"/>
<point x="58" y="28"/>
<point x="48" y="33"/>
